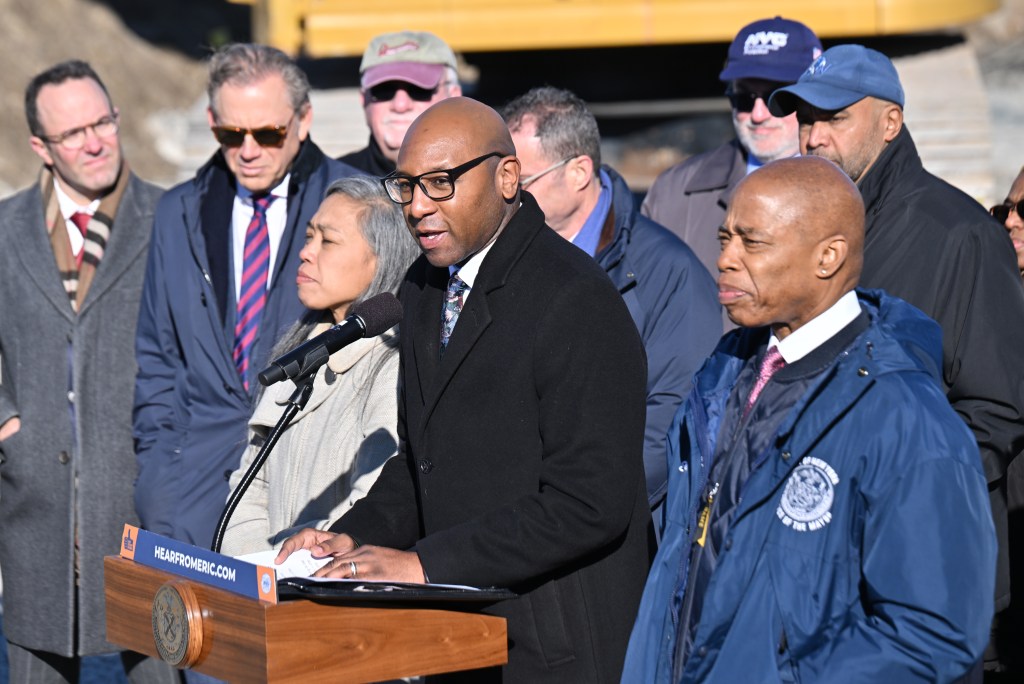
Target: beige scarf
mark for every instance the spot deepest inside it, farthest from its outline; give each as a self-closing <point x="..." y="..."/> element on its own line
<point x="77" y="278"/>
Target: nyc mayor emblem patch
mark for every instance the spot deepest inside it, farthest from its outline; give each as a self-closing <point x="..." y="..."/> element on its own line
<point x="807" y="500"/>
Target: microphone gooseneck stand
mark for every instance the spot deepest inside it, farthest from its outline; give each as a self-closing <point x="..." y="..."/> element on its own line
<point x="296" y="402"/>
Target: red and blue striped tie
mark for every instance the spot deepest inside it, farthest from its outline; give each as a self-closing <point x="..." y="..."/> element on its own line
<point x="253" y="293"/>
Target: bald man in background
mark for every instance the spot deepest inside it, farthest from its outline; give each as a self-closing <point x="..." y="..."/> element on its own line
<point x="521" y="415"/>
<point x="840" y="528"/>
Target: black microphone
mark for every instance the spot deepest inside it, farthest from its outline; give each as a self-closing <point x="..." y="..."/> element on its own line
<point x="368" y="319"/>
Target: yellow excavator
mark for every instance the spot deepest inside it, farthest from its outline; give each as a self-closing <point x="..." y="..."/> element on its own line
<point x="342" y="28"/>
<point x="648" y="68"/>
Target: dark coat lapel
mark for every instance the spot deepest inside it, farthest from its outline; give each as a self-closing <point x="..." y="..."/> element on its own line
<point x="476" y="314"/>
<point x="215" y="224"/>
<point x="35" y="252"/>
<point x="426" y="329"/>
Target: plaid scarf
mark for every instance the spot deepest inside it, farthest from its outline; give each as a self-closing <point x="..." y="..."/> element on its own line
<point x="77" y="278"/>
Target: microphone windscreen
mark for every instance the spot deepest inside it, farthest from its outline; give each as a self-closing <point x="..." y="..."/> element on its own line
<point x="379" y="313"/>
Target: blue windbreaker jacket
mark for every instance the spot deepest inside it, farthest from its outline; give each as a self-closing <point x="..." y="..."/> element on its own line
<point x="674" y="302"/>
<point x="862" y="549"/>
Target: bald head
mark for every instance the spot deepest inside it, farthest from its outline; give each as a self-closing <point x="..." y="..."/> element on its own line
<point x="792" y="243"/>
<point x="466" y="143"/>
<point x="460" y="121"/>
<point x="819" y="201"/>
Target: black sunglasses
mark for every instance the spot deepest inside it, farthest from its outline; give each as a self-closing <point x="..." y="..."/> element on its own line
<point x="1002" y="211"/>
<point x="267" y="136"/>
<point x="744" y="101"/>
<point x="385" y="92"/>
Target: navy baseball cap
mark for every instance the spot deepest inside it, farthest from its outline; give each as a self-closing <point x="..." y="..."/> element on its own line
<point x="843" y="75"/>
<point x="773" y="49"/>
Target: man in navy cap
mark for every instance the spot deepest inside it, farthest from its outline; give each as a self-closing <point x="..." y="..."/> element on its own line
<point x="690" y="198"/>
<point x="927" y="243"/>
<point x="401" y="75"/>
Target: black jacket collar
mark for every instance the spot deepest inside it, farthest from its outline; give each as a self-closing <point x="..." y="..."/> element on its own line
<point x="370" y="160"/>
<point x="897" y="162"/>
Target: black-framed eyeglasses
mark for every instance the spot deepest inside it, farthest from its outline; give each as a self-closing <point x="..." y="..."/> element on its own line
<point x="385" y="92"/>
<point x="267" y="136"/>
<point x="437" y="185"/>
<point x="1001" y="212"/>
<point x="74" y="139"/>
<point x="744" y="100"/>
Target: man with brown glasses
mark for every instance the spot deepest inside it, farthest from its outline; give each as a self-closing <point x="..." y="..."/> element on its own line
<point x="220" y="287"/>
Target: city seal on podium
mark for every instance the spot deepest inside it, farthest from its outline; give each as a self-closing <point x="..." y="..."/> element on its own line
<point x="177" y="624"/>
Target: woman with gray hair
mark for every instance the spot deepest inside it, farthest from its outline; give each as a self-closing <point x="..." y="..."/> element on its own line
<point x="357" y="246"/>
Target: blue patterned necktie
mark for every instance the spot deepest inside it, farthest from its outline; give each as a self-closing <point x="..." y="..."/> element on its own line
<point x="453" y="300"/>
<point x="253" y="293"/>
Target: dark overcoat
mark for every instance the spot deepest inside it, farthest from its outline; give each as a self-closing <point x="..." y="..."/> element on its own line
<point x="69" y="378"/>
<point x="522" y="452"/>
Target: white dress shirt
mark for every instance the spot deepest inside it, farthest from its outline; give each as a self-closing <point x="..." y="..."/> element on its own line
<point x="818" y="330"/>
<point x="469" y="270"/>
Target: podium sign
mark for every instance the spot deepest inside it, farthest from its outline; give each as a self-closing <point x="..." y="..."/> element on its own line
<point x="201" y="565"/>
<point x="193" y="624"/>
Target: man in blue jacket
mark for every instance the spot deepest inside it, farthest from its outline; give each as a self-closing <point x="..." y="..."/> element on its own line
<point x="220" y="287"/>
<point x="934" y="246"/>
<point x="669" y="294"/>
<point x="827" y="517"/>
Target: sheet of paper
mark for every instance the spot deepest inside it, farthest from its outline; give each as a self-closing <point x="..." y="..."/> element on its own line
<point x="299" y="564"/>
<point x="302" y="564"/>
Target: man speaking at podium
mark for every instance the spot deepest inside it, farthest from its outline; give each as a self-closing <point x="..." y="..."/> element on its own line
<point x="521" y="415"/>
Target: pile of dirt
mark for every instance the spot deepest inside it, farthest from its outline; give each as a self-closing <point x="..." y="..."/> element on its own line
<point x="142" y="79"/>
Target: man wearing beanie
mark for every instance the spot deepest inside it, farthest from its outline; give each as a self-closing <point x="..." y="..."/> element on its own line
<point x="401" y="75"/>
<point x="690" y="198"/>
<point x="930" y="244"/>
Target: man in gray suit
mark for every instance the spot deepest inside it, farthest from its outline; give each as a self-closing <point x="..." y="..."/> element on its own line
<point x="72" y="258"/>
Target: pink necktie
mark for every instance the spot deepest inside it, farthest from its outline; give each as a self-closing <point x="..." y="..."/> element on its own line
<point x="772" y="362"/>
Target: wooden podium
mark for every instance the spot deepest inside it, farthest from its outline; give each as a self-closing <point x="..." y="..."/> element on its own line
<point x="238" y="639"/>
